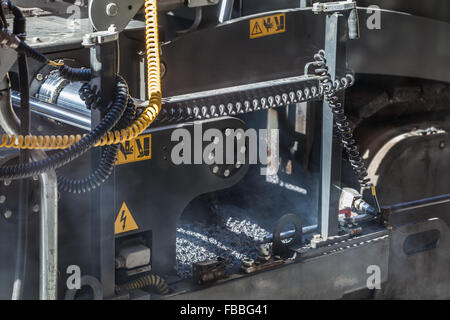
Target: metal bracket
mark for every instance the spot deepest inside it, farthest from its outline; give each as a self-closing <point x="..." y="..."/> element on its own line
<point x="103" y="13"/>
<point x="342" y="6"/>
<point x="337" y="6"/>
<point x="101" y="37"/>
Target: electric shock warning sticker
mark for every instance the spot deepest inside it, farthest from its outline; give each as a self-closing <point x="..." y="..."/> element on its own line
<point x="135" y="150"/>
<point x="124" y="221"/>
<point x="266" y="26"/>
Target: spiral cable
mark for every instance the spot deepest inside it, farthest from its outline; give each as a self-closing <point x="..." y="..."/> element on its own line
<point x="111" y="137"/>
<point x="65" y="156"/>
<point x="106" y="164"/>
<point x="342" y="125"/>
<point x="151" y="280"/>
<point x="75" y="74"/>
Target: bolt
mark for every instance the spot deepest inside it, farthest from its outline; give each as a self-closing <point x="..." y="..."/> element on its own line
<point x="36" y="208"/>
<point x="7" y="182"/>
<point x="442" y="144"/>
<point x="39" y="77"/>
<point x="215" y="169"/>
<point x="226" y="173"/>
<point x="112" y="9"/>
<point x="8" y="214"/>
<point x="2" y="199"/>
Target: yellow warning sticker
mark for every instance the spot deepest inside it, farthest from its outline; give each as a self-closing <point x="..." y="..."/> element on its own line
<point x="266" y="26"/>
<point x="135" y="150"/>
<point x="124" y="221"/>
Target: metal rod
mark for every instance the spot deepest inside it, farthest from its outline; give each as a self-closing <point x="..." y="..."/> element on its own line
<point x="225" y="10"/>
<point x="48" y="265"/>
<point x="416" y="204"/>
<point x="23" y="210"/>
<point x="331" y="151"/>
<point x="73" y="116"/>
<point x="289" y="234"/>
<point x="311" y="229"/>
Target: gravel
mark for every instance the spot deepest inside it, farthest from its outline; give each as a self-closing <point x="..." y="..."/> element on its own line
<point x="233" y="238"/>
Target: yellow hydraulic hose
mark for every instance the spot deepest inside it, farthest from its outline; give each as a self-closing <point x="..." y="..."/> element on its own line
<point x="113" y="137"/>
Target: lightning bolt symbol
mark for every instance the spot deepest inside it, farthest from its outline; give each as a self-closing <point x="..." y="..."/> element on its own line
<point x="123" y="218"/>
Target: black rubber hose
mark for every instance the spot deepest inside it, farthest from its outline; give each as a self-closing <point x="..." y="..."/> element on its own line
<point x="31" y="53"/>
<point x="106" y="164"/>
<point x="75" y="74"/>
<point x="65" y="156"/>
<point x="148" y="281"/>
<point x="19" y="29"/>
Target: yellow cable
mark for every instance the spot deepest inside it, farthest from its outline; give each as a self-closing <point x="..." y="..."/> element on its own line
<point x="135" y="129"/>
<point x="55" y="63"/>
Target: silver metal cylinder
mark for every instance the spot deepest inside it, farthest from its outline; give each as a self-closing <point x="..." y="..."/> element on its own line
<point x="57" y="90"/>
<point x="75" y="116"/>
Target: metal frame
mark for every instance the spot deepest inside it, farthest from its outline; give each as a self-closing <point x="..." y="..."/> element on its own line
<point x="336" y="35"/>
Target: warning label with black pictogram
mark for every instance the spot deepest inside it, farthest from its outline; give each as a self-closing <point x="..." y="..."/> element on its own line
<point x="135" y="150"/>
<point x="124" y="221"/>
<point x="266" y="26"/>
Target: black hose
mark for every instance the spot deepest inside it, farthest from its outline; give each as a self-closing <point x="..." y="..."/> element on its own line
<point x="65" y="156"/>
<point x="19" y="30"/>
<point x="106" y="164"/>
<point x="75" y="74"/>
<point x="151" y="280"/>
<point x="31" y="53"/>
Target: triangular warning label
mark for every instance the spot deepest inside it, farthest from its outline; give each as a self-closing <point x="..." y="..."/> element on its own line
<point x="124" y="221"/>
<point x="256" y="29"/>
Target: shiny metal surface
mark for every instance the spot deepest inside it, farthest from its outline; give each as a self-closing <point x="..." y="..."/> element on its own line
<point x="69" y="115"/>
<point x="48" y="273"/>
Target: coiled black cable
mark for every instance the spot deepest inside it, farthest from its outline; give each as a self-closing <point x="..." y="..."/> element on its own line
<point x="87" y="94"/>
<point x="150" y="280"/>
<point x="31" y="53"/>
<point x="75" y="74"/>
<point x="65" y="156"/>
<point x="109" y="153"/>
<point x="106" y="164"/>
<point x="343" y="127"/>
